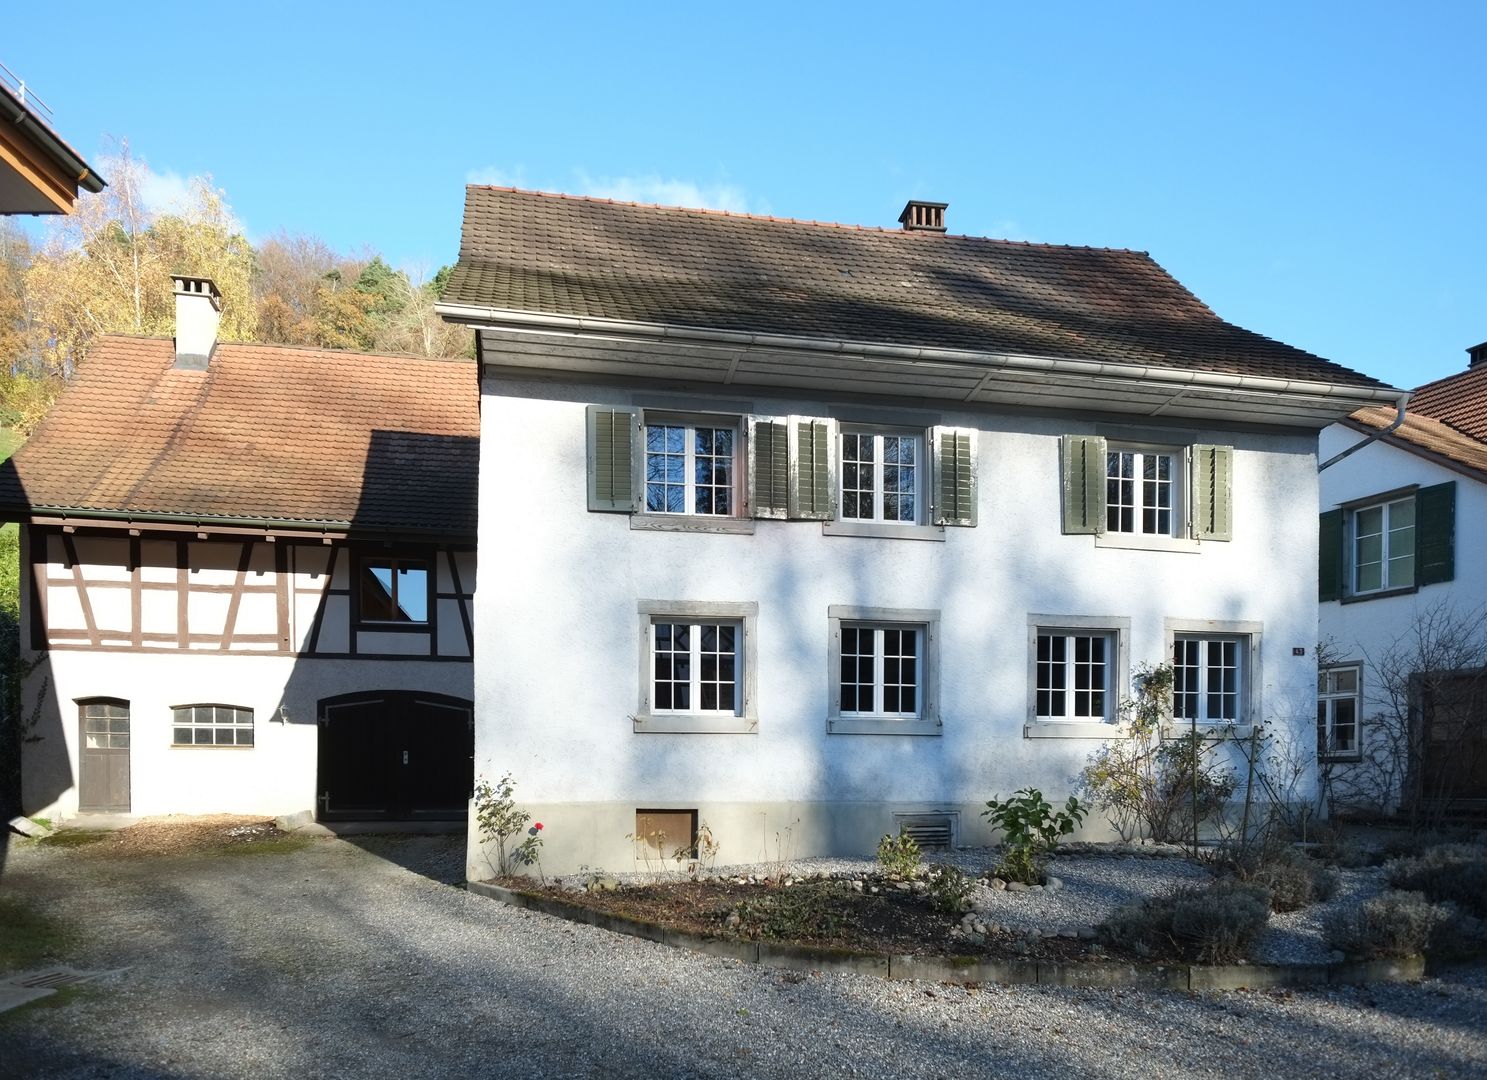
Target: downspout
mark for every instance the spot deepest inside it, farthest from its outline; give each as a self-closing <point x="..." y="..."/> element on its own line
<point x="1404" y="400"/>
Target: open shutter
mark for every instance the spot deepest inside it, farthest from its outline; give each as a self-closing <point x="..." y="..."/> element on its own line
<point x="955" y="476"/>
<point x="1435" y="532"/>
<point x="1329" y="556"/>
<point x="812" y="468"/>
<point x="1084" y="483"/>
<point x="614" y="459"/>
<point x="769" y="467"/>
<point x="1213" y="492"/>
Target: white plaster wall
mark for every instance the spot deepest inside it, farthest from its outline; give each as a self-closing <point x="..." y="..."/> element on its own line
<point x="276" y="776"/>
<point x="556" y="656"/>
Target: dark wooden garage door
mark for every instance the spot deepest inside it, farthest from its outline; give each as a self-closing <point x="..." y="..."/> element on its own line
<point x="395" y="756"/>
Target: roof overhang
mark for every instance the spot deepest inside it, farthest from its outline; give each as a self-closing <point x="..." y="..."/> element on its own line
<point x="39" y="173"/>
<point x="211" y="525"/>
<point x="609" y="348"/>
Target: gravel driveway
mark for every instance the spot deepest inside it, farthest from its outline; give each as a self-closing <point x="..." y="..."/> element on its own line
<point x="359" y="959"/>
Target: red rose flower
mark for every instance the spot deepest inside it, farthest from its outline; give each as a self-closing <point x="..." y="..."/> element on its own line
<point x="537" y="826"/>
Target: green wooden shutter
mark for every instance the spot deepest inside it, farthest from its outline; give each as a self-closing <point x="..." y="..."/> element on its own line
<point x="614" y="459"/>
<point x="769" y="467"/>
<point x="1213" y="492"/>
<point x="1330" y="560"/>
<point x="813" y="468"/>
<point x="1435" y="533"/>
<point x="955" y="476"/>
<point x="1084" y="483"/>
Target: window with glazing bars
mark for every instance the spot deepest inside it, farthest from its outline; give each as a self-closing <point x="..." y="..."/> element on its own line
<point x="695" y="666"/>
<point x="1139" y="492"/>
<point x="691" y="469"/>
<point x="1074" y="676"/>
<point x="212" y="725"/>
<point x="881" y="670"/>
<point x="1207" y="683"/>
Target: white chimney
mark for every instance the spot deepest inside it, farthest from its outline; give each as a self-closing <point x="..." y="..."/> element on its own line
<point x="198" y="311"/>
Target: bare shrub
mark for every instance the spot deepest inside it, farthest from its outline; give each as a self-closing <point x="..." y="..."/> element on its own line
<point x="1454" y="873"/>
<point x="1213" y="924"/>
<point x="1392" y="925"/>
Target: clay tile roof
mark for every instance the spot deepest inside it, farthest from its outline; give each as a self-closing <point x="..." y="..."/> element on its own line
<point x="379" y="443"/>
<point x="562" y="255"/>
<point x="1459" y="400"/>
<point x="1428" y="434"/>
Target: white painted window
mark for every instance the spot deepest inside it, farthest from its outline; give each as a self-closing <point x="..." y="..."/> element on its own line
<point x="1339" y="695"/>
<point x="1075" y="676"/>
<point x="691" y="468"/>
<point x="1209" y="678"/>
<point x="393" y="590"/>
<point x="696" y="667"/>
<point x="1141" y="491"/>
<point x="212" y="725"/>
<point x="1383" y="546"/>
<point x="884" y="478"/>
<point x="881" y="671"/>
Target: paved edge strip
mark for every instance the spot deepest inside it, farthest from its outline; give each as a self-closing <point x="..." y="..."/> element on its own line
<point x="966" y="969"/>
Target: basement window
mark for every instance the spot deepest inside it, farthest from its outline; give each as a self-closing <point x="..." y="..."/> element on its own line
<point x="666" y="835"/>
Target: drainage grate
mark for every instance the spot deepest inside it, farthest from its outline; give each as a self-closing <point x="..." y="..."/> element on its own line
<point x="930" y="831"/>
<point x="52" y="979"/>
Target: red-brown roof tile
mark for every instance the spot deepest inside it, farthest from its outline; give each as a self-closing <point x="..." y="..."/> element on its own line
<point x="1459" y="400"/>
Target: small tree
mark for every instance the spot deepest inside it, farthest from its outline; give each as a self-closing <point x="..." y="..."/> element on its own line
<point x="500" y="819"/>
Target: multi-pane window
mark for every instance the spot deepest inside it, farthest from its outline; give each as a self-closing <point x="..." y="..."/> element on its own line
<point x="1074" y="676"/>
<point x="105" y="725"/>
<point x="690" y="469"/>
<point x="881" y="670"/>
<point x="212" y="725"/>
<point x="695" y="666"/>
<point x="1139" y="492"/>
<point x="394" y="590"/>
<point x="1383" y="546"/>
<point x="882" y="476"/>
<point x="1208" y="679"/>
<point x="1337" y="710"/>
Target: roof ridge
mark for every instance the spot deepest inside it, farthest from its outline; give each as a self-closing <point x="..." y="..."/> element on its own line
<point x="301" y="349"/>
<point x="883" y="229"/>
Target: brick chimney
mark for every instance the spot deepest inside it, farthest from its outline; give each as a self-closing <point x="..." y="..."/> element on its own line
<point x="923" y="216"/>
<point x="198" y="311"/>
<point x="1477" y="354"/>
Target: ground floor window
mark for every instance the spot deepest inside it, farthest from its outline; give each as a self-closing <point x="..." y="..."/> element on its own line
<point x="1208" y="678"/>
<point x="1074" y="675"/>
<point x="880" y="671"/>
<point x="1338" y="694"/>
<point x="212" y="725"/>
<point x="696" y="666"/>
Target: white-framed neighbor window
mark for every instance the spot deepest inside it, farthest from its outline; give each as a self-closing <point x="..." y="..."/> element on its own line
<point x="1382" y="546"/>
<point x="1075" y="675"/>
<point x="1210" y="678"/>
<point x="211" y="725"/>
<point x="1339" y="697"/>
<point x="883" y="671"/>
<point x="692" y="466"/>
<point x="884" y="477"/>
<point x="696" y="667"/>
<point x="1143" y="488"/>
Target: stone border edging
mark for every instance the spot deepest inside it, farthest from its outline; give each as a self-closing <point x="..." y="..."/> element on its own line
<point x="964" y="969"/>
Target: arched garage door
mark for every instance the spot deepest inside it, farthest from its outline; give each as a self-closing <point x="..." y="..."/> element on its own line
<point x="395" y="755"/>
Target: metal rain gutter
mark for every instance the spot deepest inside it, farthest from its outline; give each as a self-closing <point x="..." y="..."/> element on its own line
<point x="68" y="158"/>
<point x="1399" y="405"/>
<point x="207" y="524"/>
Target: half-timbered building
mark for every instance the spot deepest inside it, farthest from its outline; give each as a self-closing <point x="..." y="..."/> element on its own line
<point x="249" y="574"/>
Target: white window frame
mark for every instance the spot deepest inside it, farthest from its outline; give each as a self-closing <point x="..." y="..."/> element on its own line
<point x="196" y="723"/>
<point x="1386" y="507"/>
<point x="743" y="718"/>
<point x="1327" y="700"/>
<point x="688" y="518"/>
<point x="1247" y="637"/>
<point x="1176" y="482"/>
<point x="926" y="719"/>
<point x="921" y="467"/>
<point x="1117" y="632"/>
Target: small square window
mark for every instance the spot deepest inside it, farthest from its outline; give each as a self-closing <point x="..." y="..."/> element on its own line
<point x="1075" y="679"/>
<point x="393" y="590"/>
<point x="696" y="667"/>
<point x="884" y="671"/>
<point x="1209" y="678"/>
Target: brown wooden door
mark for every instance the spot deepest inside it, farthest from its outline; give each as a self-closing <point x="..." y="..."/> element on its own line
<point x="103" y="760"/>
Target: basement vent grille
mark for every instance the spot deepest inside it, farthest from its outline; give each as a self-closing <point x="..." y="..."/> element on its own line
<point x="932" y="832"/>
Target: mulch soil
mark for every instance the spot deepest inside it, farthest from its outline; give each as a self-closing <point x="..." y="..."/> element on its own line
<point x="163" y="836"/>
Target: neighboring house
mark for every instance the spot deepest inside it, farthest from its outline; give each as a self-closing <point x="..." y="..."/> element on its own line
<point x="247" y="580"/>
<point x="811" y="531"/>
<point x="1402" y="714"/>
<point x="39" y="173"/>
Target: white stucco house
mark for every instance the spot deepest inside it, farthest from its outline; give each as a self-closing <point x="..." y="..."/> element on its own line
<point x="247" y="580"/>
<point x="806" y="531"/>
<point x="1402" y="709"/>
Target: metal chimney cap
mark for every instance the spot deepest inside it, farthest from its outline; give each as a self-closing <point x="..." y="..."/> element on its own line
<point x="921" y="216"/>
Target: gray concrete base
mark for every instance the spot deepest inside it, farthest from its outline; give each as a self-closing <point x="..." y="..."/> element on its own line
<point x="973" y="970"/>
<point x="13" y="997"/>
<point x="374" y="828"/>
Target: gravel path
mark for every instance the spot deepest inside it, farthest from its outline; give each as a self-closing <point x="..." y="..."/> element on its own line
<point x="359" y="959"/>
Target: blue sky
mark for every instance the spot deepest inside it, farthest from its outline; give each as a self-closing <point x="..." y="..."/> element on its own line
<point x="1313" y="171"/>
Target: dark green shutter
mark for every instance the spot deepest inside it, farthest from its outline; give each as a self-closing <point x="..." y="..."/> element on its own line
<point x="769" y="467"/>
<point x="614" y="459"/>
<point x="812" y="477"/>
<point x="955" y="476"/>
<point x="1435" y="533"/>
<point x="1330" y="560"/>
<point x="1083" y="483"/>
<point x="1213" y="492"/>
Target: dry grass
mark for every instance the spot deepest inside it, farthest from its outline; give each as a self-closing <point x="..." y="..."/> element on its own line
<point x="226" y="834"/>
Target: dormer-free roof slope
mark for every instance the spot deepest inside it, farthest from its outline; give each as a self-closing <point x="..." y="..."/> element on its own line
<point x="571" y="257"/>
<point x="1446" y="420"/>
<point x="266" y="435"/>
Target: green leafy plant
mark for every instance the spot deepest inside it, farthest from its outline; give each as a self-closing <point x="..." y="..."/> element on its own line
<point x="949" y="889"/>
<point x="1392" y="925"/>
<point x="500" y="820"/>
<point x="1030" y="828"/>
<point x="811" y="910"/>
<point x="899" y="855"/>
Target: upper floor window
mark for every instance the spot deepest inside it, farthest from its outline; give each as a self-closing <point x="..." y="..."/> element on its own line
<point x="394" y="590"/>
<point x="211" y="725"/>
<point x="1383" y="546"/>
<point x="1147" y="495"/>
<point x="1141" y="491"/>
<point x="1338" y="695"/>
<point x="691" y="468"/>
<point x="883" y="477"/>
<point x="1387" y="543"/>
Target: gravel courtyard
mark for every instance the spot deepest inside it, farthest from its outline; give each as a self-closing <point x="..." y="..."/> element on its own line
<point x="359" y="958"/>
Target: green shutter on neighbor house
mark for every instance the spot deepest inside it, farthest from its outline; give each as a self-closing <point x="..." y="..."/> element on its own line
<point x="1435" y="534"/>
<point x="1213" y="492"/>
<point x="769" y="467"/>
<point x="955" y="476"/>
<point x="1084" y="483"/>
<point x="812" y="472"/>
<point x="614" y="459"/>
<point x="1329" y="556"/>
